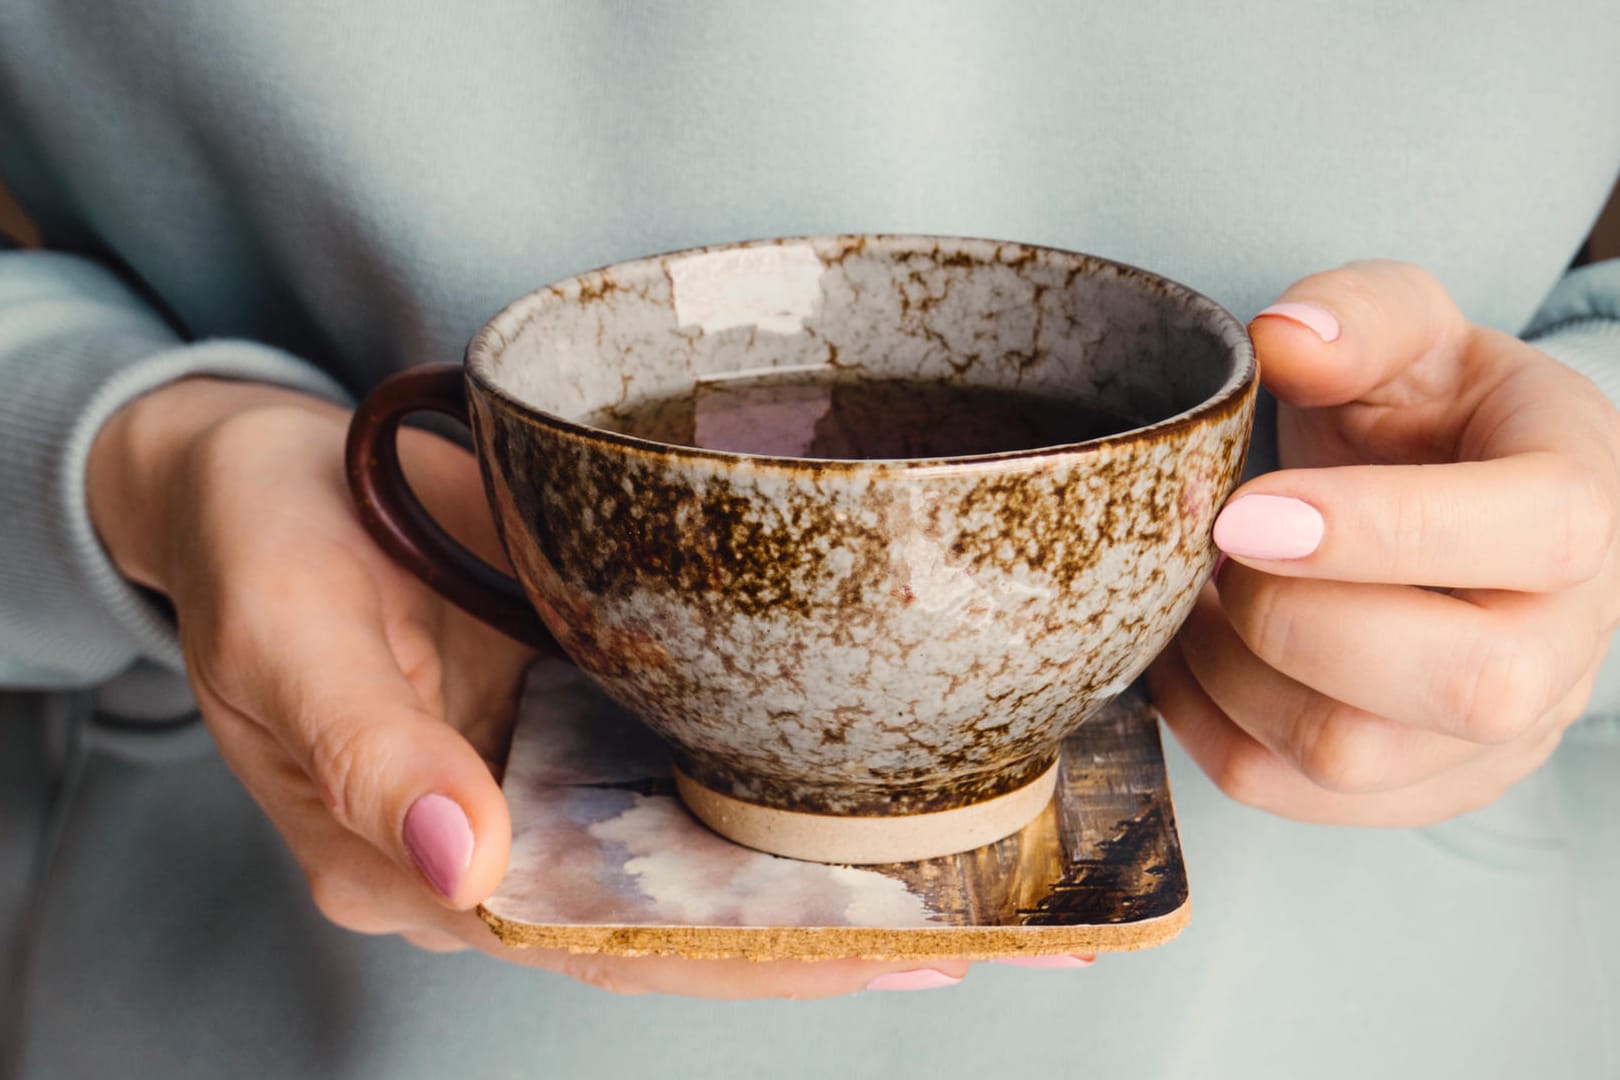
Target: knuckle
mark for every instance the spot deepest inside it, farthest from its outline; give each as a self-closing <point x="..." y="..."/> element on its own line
<point x="1389" y="290"/>
<point x="1371" y="284"/>
<point x="1498" y="693"/>
<point x="343" y="759"/>
<point x="1352" y="291"/>
<point x="1342" y="752"/>
<point x="1414" y="279"/>
<point x="1396" y="278"/>
<point x="1245" y="775"/>
<point x="1367" y="278"/>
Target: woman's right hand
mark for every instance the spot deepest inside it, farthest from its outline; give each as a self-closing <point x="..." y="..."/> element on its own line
<point x="364" y="714"/>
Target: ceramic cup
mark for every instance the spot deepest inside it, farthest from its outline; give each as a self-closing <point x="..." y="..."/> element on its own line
<point x="853" y="661"/>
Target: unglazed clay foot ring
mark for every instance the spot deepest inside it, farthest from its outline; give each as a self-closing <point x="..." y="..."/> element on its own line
<point x="861" y="840"/>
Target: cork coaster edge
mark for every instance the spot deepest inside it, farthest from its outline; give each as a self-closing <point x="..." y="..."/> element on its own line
<point x="842" y="942"/>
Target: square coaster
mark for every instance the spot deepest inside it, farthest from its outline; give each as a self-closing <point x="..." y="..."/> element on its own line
<point x="606" y="859"/>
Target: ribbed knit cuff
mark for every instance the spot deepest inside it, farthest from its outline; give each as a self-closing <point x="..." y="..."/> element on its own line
<point x="1590" y="346"/>
<point x="68" y="362"/>
<point x="1579" y="324"/>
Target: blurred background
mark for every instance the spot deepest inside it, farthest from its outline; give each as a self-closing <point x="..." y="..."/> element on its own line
<point x="1604" y="242"/>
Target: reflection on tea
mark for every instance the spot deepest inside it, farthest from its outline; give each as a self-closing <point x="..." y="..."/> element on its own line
<point x="818" y="413"/>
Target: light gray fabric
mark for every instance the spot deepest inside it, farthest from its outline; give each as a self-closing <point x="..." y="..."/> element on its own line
<point x="36" y="747"/>
<point x="314" y="191"/>
<point x="75" y="345"/>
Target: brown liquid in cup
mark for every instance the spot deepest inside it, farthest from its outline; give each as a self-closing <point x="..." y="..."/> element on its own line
<point x="811" y="414"/>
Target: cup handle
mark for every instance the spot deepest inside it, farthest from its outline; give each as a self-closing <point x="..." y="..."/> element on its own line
<point x="400" y="524"/>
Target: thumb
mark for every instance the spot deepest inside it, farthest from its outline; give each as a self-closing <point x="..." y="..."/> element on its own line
<point x="1379" y="331"/>
<point x="384" y="761"/>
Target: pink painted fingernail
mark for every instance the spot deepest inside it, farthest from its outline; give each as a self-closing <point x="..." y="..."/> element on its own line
<point x="440" y="840"/>
<point x="1269" y="527"/>
<point x="1052" y="963"/>
<point x="1313" y="317"/>
<point x="921" y="979"/>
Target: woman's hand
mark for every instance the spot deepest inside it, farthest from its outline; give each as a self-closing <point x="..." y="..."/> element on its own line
<point x="1415" y="608"/>
<point x="365" y="715"/>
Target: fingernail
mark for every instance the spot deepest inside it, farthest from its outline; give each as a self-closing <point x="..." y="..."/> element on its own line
<point x="1047" y="962"/>
<point x="440" y="840"/>
<point x="921" y="979"/>
<point x="1313" y="317"/>
<point x="1269" y="527"/>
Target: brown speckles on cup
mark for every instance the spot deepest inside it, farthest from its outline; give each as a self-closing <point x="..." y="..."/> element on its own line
<point x="856" y="642"/>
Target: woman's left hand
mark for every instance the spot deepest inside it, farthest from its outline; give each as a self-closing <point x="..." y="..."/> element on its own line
<point x="1415" y="608"/>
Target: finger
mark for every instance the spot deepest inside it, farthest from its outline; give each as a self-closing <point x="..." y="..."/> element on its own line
<point x="1370" y="331"/>
<point x="1248" y="773"/>
<point x="1482" y="672"/>
<point x="1239" y="764"/>
<point x="735" y="980"/>
<point x="434" y="941"/>
<point x="354" y="885"/>
<point x="386" y="764"/>
<point x="351" y="883"/>
<point x="1536" y="521"/>
<point x="1334" y="745"/>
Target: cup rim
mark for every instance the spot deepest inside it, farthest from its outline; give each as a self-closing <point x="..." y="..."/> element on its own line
<point x="502" y="329"/>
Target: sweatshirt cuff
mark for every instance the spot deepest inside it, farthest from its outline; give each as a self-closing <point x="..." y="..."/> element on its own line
<point x="1590" y="346"/>
<point x="1579" y="324"/>
<point x="69" y="617"/>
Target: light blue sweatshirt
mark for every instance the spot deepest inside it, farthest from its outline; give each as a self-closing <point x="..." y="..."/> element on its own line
<point x="320" y="193"/>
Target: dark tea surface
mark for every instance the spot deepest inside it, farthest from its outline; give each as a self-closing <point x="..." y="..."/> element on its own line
<point x="809" y="414"/>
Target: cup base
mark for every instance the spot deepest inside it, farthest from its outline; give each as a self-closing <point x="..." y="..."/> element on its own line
<point x="858" y="841"/>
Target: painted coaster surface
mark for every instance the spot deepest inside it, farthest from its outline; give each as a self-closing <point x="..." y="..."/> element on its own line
<point x="605" y="858"/>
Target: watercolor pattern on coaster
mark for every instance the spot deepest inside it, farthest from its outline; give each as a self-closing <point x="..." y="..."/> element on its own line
<point x="600" y="841"/>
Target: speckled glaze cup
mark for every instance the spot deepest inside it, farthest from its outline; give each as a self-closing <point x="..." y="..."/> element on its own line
<point x="853" y="661"/>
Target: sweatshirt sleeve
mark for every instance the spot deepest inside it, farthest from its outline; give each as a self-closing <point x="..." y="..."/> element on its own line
<point x="76" y="344"/>
<point x="1579" y="324"/>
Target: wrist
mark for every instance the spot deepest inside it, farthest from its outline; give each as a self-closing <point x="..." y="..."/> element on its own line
<point x="133" y="482"/>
